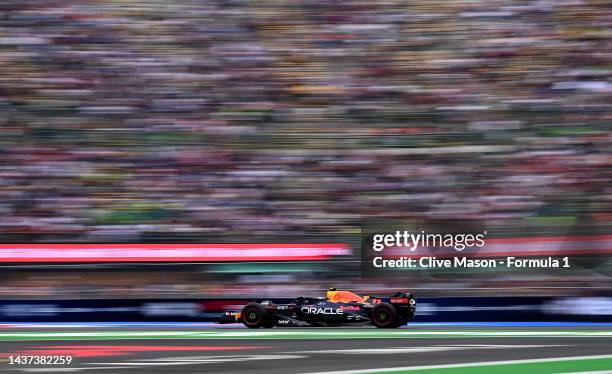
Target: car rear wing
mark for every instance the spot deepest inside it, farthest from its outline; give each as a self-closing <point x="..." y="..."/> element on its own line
<point x="401" y="298"/>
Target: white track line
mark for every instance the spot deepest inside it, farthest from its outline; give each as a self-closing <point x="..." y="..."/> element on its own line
<point x="434" y="348"/>
<point x="469" y="364"/>
<point x="175" y="361"/>
<point x="75" y="369"/>
<point x="291" y="334"/>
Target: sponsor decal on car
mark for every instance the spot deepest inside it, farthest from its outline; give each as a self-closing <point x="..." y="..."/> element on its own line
<point x="350" y="307"/>
<point x="318" y="310"/>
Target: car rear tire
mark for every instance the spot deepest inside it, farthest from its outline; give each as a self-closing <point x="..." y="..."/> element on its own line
<point x="384" y="315"/>
<point x="254" y="316"/>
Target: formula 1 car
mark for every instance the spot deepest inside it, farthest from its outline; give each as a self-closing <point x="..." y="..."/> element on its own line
<point x="338" y="308"/>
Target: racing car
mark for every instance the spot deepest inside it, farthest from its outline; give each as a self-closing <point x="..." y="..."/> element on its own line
<point x="337" y="308"/>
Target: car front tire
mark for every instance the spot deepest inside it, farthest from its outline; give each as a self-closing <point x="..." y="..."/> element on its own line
<point x="254" y="316"/>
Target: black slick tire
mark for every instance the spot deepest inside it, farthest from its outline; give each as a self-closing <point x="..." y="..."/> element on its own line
<point x="384" y="315"/>
<point x="254" y="316"/>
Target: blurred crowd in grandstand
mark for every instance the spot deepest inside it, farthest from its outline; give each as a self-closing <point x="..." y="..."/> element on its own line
<point x="277" y="120"/>
<point x="192" y="284"/>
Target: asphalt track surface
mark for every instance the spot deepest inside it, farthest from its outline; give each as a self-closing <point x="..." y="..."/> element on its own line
<point x="423" y="349"/>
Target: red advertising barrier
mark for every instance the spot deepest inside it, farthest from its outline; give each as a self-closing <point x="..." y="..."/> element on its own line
<point x="30" y="253"/>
